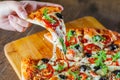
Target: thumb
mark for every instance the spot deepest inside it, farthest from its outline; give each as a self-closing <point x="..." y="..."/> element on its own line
<point x="19" y="9"/>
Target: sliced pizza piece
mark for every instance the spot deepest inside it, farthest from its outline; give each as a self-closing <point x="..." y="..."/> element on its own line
<point x="50" y="18"/>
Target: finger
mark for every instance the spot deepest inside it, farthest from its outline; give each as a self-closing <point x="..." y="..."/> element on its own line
<point x="19" y="9"/>
<point x="19" y="21"/>
<point x="6" y="26"/>
<point x="17" y="26"/>
<point x="35" y="4"/>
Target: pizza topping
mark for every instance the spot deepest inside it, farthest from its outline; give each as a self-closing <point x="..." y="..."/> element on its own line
<point x="45" y="60"/>
<point x="107" y="39"/>
<point x="60" y="65"/>
<point x="62" y="76"/>
<point x="90" y="47"/>
<point x="84" y="67"/>
<point x="63" y="45"/>
<point x="75" y="74"/>
<point x="101" y="57"/>
<point x="45" y="14"/>
<point x="116" y="56"/>
<point x="113" y="47"/>
<point x="118" y="75"/>
<point x="116" y="72"/>
<point x="88" y="55"/>
<point x="96" y="68"/>
<point x="59" y="15"/>
<point x="84" y="40"/>
<point x="98" y="38"/>
<point x="48" y="72"/>
<point x="103" y="78"/>
<point x="76" y="46"/>
<point x="42" y="66"/>
<point x="70" y="34"/>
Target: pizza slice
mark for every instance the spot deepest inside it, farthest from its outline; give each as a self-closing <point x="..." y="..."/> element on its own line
<point x="51" y="19"/>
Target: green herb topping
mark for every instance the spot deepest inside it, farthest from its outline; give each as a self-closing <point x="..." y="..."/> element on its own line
<point x="70" y="34"/>
<point x="118" y="75"/>
<point x="116" y="56"/>
<point x="97" y="38"/>
<point x="42" y="66"/>
<point x="101" y="56"/>
<point x="75" y="74"/>
<point x="45" y="14"/>
<point x="63" y="45"/>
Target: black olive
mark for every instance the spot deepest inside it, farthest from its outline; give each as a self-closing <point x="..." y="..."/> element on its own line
<point x="116" y="72"/>
<point x="62" y="76"/>
<point x="77" y="46"/>
<point x="97" y="68"/>
<point x="73" y="32"/>
<point x="59" y="15"/>
<point x="113" y="47"/>
<point x="45" y="60"/>
<point x="88" y="54"/>
<point x="103" y="78"/>
<point x="84" y="67"/>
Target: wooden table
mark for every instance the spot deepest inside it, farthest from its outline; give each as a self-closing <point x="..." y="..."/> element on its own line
<point x="106" y="11"/>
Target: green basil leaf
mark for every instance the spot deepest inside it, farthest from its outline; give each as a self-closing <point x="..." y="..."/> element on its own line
<point x="118" y="75"/>
<point x="116" y="56"/>
<point x="97" y="38"/>
<point x="63" y="45"/>
<point x="42" y="66"/>
<point x="45" y="13"/>
<point x="69" y="34"/>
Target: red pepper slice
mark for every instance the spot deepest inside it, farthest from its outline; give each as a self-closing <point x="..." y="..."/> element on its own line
<point x="50" y="25"/>
<point x="91" y="47"/>
<point x="48" y="72"/>
<point x="107" y="39"/>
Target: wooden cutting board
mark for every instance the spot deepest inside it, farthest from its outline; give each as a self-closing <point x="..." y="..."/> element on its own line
<point x="36" y="46"/>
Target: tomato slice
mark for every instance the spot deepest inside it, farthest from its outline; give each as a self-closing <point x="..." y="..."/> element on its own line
<point x="107" y="39"/>
<point x="84" y="40"/>
<point x="72" y="41"/>
<point x="91" y="47"/>
<point x="51" y="25"/>
<point x="48" y="72"/>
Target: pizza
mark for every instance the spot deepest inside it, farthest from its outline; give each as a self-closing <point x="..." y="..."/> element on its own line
<point x="88" y="53"/>
<point x="51" y="19"/>
<point x="91" y="54"/>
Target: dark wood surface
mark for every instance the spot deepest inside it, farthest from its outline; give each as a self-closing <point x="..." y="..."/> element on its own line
<point x="106" y="11"/>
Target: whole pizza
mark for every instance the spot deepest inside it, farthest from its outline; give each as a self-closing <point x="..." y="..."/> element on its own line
<point x="88" y="53"/>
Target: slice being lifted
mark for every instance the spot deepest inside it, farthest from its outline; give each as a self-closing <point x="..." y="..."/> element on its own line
<point x="51" y="19"/>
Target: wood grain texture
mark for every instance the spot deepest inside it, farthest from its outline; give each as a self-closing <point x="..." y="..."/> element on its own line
<point x="36" y="47"/>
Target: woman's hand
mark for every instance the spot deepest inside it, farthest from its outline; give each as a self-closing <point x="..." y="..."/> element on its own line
<point x="13" y="13"/>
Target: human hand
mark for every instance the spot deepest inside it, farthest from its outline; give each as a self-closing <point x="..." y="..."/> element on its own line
<point x="13" y="13"/>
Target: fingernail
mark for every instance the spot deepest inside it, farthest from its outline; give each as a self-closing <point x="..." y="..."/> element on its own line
<point x="23" y="15"/>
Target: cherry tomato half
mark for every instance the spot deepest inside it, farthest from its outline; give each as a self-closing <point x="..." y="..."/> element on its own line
<point x="48" y="72"/>
<point x="107" y="39"/>
<point x="90" y="47"/>
<point x="50" y="24"/>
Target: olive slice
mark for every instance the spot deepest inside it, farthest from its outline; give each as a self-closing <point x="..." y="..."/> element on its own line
<point x="45" y="60"/>
<point x="59" y="15"/>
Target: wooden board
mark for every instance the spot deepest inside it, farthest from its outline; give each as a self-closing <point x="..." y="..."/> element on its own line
<point x="35" y="46"/>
